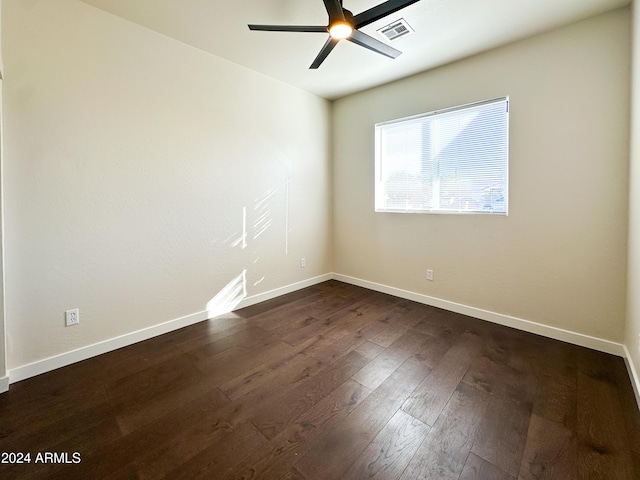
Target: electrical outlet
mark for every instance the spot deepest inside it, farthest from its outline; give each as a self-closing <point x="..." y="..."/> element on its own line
<point x="72" y="317"/>
<point x="430" y="274"/>
<point x="303" y="262"/>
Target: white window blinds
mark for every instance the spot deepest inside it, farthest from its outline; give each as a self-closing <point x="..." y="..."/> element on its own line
<point x="449" y="161"/>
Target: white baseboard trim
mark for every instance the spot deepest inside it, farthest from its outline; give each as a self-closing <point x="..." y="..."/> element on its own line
<point x="580" y="339"/>
<point x="633" y="374"/>
<point x="83" y="353"/>
<point x="58" y="361"/>
<point x="46" y="365"/>
<point x="263" y="297"/>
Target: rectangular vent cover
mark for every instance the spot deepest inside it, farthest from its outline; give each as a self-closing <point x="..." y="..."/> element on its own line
<point x="395" y="30"/>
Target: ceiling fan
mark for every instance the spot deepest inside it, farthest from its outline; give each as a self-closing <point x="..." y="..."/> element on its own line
<point x="345" y="25"/>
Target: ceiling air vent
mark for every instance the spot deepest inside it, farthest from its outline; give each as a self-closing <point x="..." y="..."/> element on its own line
<point x="395" y="30"/>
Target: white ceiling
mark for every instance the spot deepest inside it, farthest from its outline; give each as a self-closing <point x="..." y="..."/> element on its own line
<point x="445" y="31"/>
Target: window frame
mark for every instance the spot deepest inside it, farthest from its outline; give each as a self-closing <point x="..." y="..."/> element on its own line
<point x="379" y="184"/>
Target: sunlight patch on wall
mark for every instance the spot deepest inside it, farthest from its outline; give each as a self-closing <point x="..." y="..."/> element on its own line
<point x="264" y="215"/>
<point x="244" y="227"/>
<point x="267" y="211"/>
<point x="229" y="297"/>
<point x="240" y="240"/>
<point x="286" y="217"/>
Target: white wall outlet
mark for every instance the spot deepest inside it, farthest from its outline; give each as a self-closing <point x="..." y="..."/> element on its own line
<point x="430" y="274"/>
<point x="303" y="262"/>
<point x="72" y="317"/>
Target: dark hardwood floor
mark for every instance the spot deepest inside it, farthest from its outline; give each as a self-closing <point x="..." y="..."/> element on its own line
<point x="331" y="382"/>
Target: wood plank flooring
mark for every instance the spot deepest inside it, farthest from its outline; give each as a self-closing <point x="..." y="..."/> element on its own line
<point x="330" y="382"/>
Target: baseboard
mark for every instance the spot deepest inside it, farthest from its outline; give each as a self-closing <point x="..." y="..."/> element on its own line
<point x="263" y="297"/>
<point x="67" y="358"/>
<point x="509" y="321"/>
<point x="84" y="353"/>
<point x="633" y="374"/>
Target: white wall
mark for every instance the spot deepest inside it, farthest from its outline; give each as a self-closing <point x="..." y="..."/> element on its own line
<point x="632" y="337"/>
<point x="559" y="258"/>
<point x="4" y="379"/>
<point x="130" y="159"/>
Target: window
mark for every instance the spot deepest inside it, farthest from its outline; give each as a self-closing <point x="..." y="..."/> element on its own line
<point x="448" y="161"/>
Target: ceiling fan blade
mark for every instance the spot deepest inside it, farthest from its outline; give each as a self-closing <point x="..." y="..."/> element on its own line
<point x="326" y="50"/>
<point x="371" y="43"/>
<point x="334" y="9"/>
<point x="380" y="11"/>
<point x="288" y="28"/>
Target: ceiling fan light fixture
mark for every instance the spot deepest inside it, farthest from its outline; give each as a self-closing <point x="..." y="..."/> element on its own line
<point x="340" y="30"/>
<point x="343" y="24"/>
